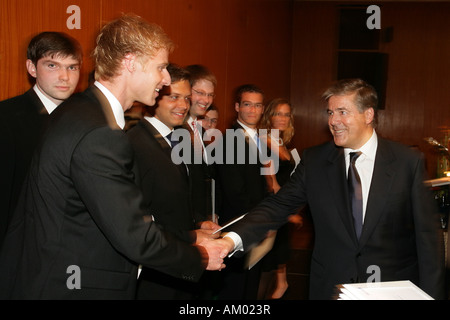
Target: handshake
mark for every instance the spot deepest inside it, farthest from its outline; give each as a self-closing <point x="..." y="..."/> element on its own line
<point x="212" y="247"/>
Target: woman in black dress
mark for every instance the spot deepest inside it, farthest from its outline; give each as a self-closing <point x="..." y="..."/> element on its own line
<point x="278" y="115"/>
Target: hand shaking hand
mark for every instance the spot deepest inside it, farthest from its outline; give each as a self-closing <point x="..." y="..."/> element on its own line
<point x="206" y="232"/>
<point x="216" y="251"/>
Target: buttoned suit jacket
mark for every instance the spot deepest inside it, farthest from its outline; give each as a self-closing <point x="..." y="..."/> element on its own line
<point x="401" y="237"/>
<point x="166" y="190"/>
<point x="83" y="209"/>
<point x="22" y="120"/>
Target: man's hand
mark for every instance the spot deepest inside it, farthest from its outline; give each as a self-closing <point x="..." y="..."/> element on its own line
<point x="216" y="251"/>
<point x="206" y="232"/>
<point x="209" y="226"/>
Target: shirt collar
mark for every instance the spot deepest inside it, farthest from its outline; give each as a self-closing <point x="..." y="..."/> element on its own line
<point x="49" y="105"/>
<point x="369" y="149"/>
<point x="115" y="104"/>
<point x="250" y="131"/>
<point x="159" y="126"/>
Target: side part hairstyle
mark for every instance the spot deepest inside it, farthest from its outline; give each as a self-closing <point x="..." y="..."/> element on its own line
<point x="365" y="94"/>
<point x="53" y="44"/>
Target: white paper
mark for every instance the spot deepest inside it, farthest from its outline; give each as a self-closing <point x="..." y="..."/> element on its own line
<point x="391" y="290"/>
<point x="230" y="223"/>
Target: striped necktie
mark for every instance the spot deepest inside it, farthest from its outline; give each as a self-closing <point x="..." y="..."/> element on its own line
<point x="198" y="145"/>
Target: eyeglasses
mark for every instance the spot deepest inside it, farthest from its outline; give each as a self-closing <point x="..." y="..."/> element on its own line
<point x="204" y="94"/>
<point x="280" y="114"/>
<point x="247" y="104"/>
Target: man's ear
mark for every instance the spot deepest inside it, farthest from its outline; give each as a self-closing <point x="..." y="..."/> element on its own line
<point x="369" y="114"/>
<point x="31" y="68"/>
<point x="236" y="107"/>
<point x="129" y="62"/>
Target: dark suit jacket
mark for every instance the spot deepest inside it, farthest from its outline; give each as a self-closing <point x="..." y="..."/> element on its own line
<point x="22" y="120"/>
<point x="200" y="175"/>
<point x="83" y="208"/>
<point x="166" y="190"/>
<point x="401" y="234"/>
<point x="241" y="183"/>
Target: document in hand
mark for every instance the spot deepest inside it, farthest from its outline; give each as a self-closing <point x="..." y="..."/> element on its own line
<point x="392" y="290"/>
<point x="230" y="223"/>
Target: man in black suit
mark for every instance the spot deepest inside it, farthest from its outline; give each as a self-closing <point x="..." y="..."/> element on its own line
<point x="242" y="185"/>
<point x="166" y="184"/>
<point x="394" y="236"/>
<point x="81" y="228"/>
<point x="53" y="63"/>
<point x="203" y="83"/>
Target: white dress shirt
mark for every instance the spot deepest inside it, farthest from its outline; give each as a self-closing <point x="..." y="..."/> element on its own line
<point x="253" y="133"/>
<point x="49" y="105"/>
<point x="115" y="104"/>
<point x="199" y="128"/>
<point x="364" y="164"/>
<point x="160" y="127"/>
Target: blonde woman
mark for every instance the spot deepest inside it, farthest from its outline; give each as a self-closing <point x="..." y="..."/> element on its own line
<point x="278" y="115"/>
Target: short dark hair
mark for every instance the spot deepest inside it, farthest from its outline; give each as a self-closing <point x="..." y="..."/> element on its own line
<point x="199" y="72"/>
<point x="52" y="44"/>
<point x="178" y="73"/>
<point x="246" y="88"/>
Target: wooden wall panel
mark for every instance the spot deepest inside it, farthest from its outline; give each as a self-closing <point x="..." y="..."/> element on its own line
<point x="20" y="20"/>
<point x="239" y="40"/>
<point x="418" y="85"/>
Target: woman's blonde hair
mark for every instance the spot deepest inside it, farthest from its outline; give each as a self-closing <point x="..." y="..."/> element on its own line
<point x="125" y="35"/>
<point x="269" y="112"/>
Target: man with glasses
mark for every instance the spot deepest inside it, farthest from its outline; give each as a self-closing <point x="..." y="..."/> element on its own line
<point x="165" y="184"/>
<point x="242" y="186"/>
<point x="203" y="83"/>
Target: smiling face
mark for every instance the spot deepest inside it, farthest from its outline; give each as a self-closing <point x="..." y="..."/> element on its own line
<point x="149" y="76"/>
<point x="350" y="127"/>
<point x="202" y="97"/>
<point x="56" y="77"/>
<point x="174" y="104"/>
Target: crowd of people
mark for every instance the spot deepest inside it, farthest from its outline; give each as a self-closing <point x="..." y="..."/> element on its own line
<point x="81" y="187"/>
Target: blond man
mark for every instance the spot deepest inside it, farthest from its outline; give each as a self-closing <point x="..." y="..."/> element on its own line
<point x="82" y="219"/>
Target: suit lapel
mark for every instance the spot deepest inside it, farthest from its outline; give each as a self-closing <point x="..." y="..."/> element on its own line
<point x="337" y="180"/>
<point x="380" y="189"/>
<point x="164" y="145"/>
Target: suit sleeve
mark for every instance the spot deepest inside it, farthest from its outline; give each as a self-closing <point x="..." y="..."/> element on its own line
<point x="273" y="211"/>
<point x="430" y="241"/>
<point x="101" y="169"/>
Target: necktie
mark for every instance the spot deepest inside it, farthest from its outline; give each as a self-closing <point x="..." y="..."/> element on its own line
<point x="198" y="146"/>
<point x="355" y="192"/>
<point x="173" y="143"/>
<point x="258" y="142"/>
